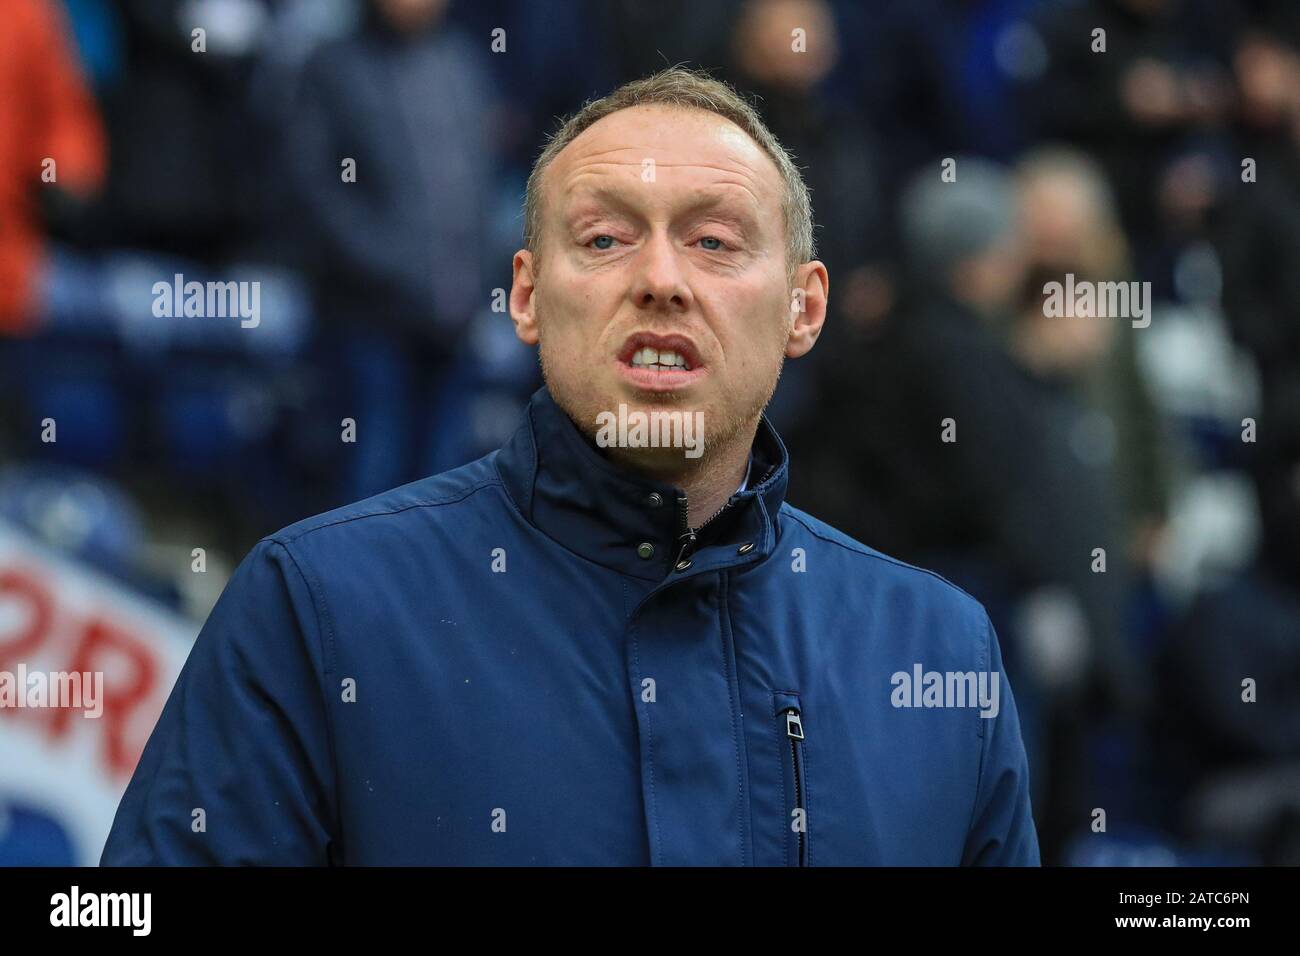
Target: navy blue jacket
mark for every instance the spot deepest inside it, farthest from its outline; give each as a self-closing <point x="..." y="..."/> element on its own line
<point x="532" y="660"/>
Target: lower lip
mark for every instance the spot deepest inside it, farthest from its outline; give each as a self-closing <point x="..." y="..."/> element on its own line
<point x="651" y="380"/>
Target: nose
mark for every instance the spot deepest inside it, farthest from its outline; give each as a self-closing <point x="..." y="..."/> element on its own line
<point x="660" y="282"/>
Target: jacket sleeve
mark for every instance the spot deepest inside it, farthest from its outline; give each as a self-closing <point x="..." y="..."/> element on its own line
<point x="1002" y="829"/>
<point x="239" y="769"/>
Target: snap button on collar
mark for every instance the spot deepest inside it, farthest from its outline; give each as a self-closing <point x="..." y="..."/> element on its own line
<point x="645" y="550"/>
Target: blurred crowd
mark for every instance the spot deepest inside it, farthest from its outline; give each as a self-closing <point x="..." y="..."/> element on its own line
<point x="1123" y="498"/>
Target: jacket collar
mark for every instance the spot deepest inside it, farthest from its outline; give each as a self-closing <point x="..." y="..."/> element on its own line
<point x="573" y="494"/>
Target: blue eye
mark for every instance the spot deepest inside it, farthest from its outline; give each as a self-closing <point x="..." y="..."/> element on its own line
<point x="708" y="239"/>
<point x="599" y="239"/>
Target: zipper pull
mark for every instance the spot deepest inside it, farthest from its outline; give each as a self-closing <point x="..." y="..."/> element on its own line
<point x="687" y="542"/>
<point x="686" y="539"/>
<point x="793" y="725"/>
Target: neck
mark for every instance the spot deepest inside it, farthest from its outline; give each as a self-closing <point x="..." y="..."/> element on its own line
<point x="707" y="481"/>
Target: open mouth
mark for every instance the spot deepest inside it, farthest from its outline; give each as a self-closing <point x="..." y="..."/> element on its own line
<point x="660" y="353"/>
<point x="659" y="360"/>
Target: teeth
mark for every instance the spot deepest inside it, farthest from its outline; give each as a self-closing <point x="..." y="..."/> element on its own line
<point x="661" y="359"/>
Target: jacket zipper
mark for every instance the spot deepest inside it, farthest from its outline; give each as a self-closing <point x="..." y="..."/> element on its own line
<point x="687" y="537"/>
<point x="794" y="733"/>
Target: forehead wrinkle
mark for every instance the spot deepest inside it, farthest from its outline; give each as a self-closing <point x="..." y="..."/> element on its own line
<point x="745" y="160"/>
<point x="578" y="177"/>
<point x="732" y="140"/>
<point x="738" y="168"/>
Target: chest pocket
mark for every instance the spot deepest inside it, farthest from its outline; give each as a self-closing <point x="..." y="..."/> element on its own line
<point x="787" y="713"/>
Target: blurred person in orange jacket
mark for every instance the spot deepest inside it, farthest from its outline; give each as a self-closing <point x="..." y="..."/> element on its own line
<point x="52" y="147"/>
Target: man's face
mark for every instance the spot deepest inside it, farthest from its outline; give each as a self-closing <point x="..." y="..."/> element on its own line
<point x="662" y="229"/>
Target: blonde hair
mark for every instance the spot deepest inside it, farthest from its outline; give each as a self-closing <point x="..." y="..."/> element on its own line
<point x="684" y="89"/>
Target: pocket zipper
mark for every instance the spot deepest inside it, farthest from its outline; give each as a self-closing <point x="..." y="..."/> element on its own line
<point x="794" y="732"/>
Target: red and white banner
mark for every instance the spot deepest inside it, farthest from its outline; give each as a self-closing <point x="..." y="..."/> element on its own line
<point x="63" y="770"/>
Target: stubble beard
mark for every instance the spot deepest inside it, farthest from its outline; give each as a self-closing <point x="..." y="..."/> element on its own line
<point x="723" y="427"/>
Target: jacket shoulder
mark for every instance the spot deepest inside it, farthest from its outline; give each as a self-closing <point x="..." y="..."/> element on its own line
<point x="433" y="492"/>
<point x="927" y="584"/>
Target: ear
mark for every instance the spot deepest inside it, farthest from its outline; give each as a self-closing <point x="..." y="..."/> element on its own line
<point x="808" y="297"/>
<point x="521" y="297"/>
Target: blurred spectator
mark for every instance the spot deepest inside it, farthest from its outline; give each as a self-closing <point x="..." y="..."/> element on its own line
<point x="1267" y="69"/>
<point x="184" y="174"/>
<point x="390" y="172"/>
<point x="1160" y="78"/>
<point x="869" y="453"/>
<point x="839" y="159"/>
<point x="51" y="149"/>
<point x="1071" y="228"/>
<point x="1255" y="225"/>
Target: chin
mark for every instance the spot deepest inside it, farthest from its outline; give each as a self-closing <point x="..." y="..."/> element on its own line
<point x="660" y="399"/>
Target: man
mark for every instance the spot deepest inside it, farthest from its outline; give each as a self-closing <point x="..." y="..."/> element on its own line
<point x="576" y="651"/>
